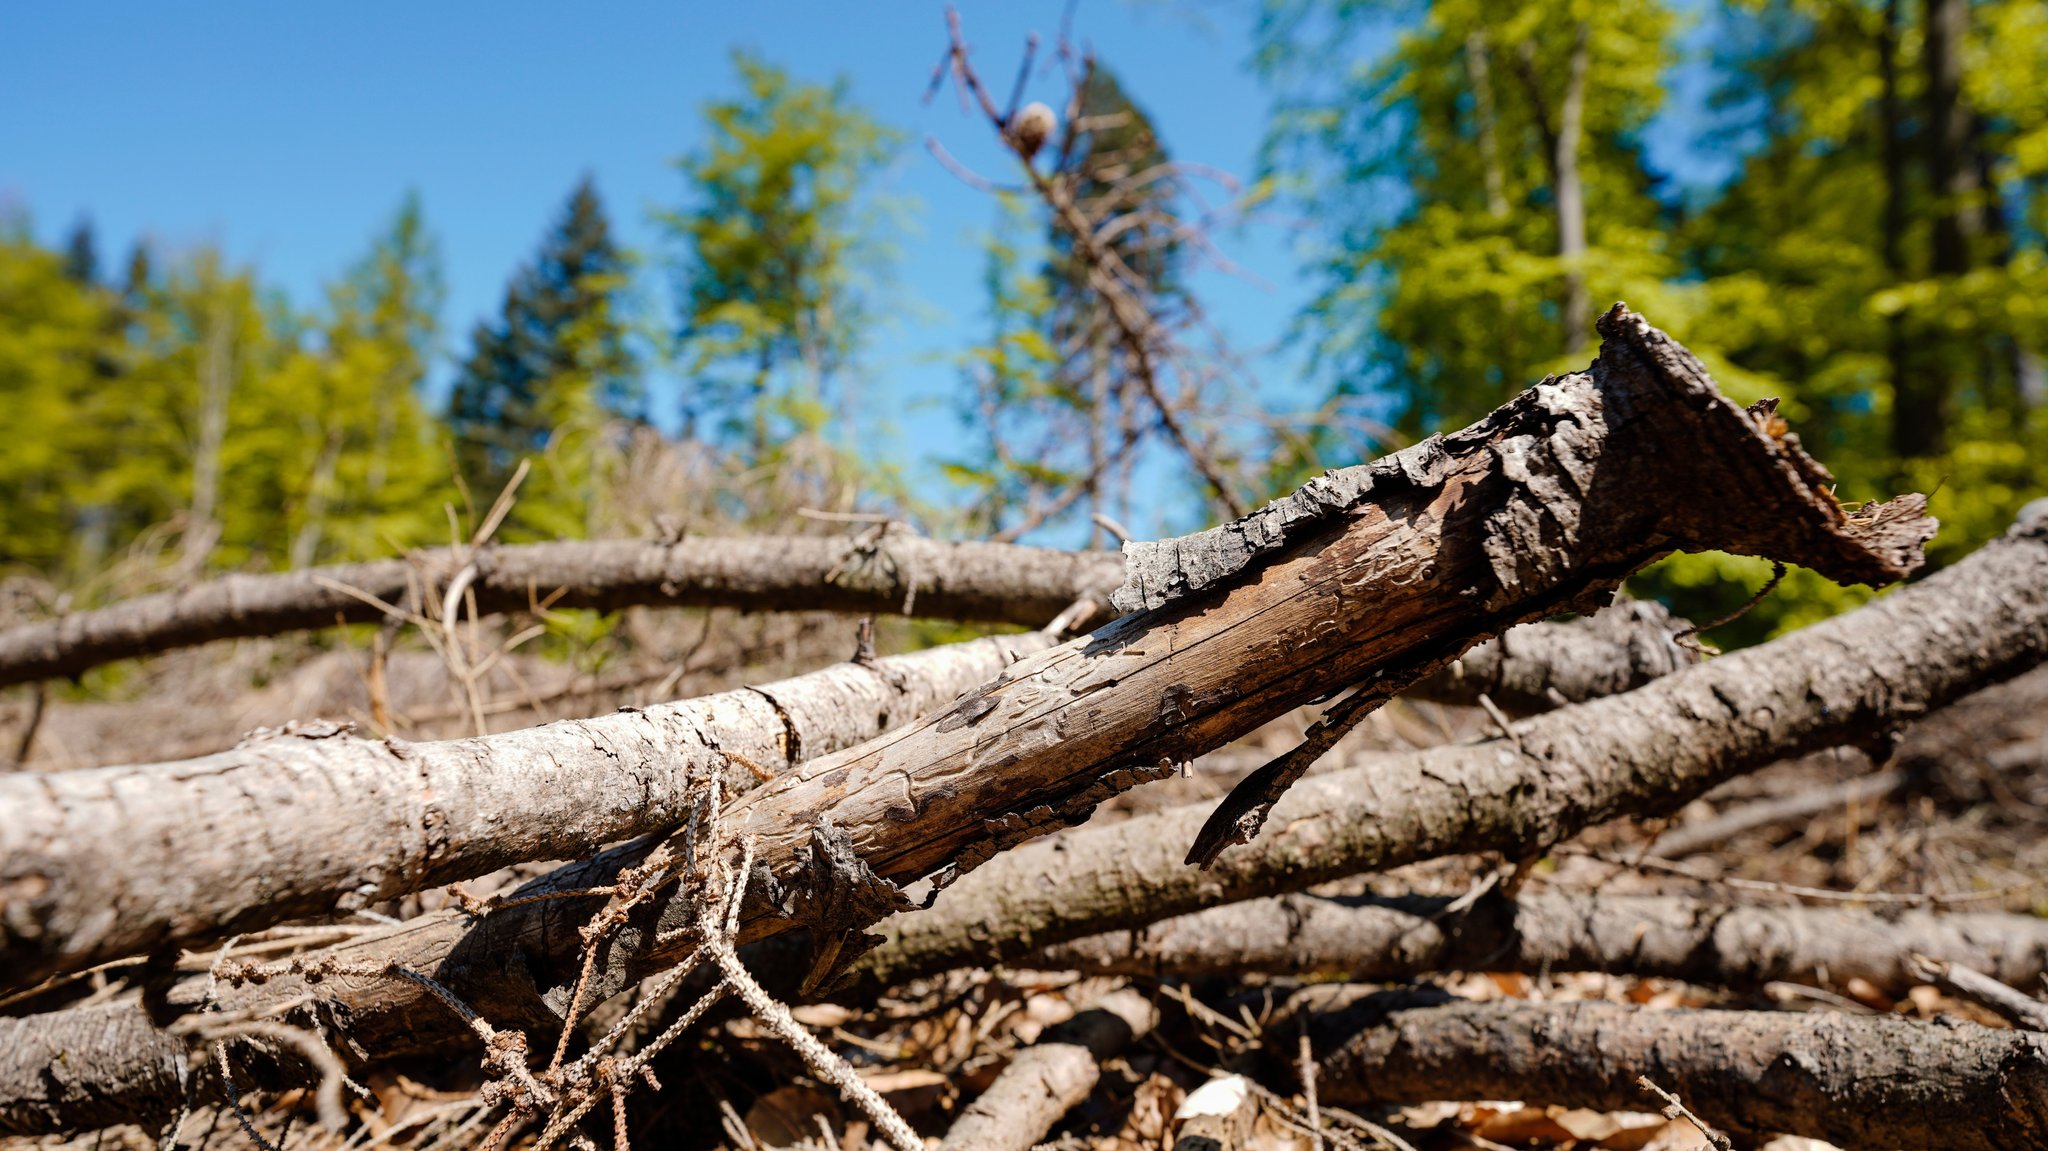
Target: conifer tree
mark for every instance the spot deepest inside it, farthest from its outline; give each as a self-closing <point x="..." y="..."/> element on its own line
<point x="776" y="262"/>
<point x="546" y="378"/>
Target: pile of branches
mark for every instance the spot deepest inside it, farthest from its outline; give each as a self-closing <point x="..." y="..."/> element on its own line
<point x="869" y="905"/>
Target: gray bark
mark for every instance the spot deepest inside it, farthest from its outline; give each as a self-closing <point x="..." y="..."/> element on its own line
<point x="1647" y="752"/>
<point x="1369" y="939"/>
<point x="91" y="1067"/>
<point x="1542" y="507"/>
<point x="1000" y="583"/>
<point x="1854" y="1081"/>
<point x="104" y="863"/>
<point x="1051" y="1077"/>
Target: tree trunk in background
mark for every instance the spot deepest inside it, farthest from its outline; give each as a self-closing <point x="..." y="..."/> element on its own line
<point x="1479" y="72"/>
<point x="1920" y="405"/>
<point x="1571" y="197"/>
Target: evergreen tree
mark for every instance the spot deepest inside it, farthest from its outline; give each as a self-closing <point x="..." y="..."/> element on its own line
<point x="81" y="253"/>
<point x="776" y="257"/>
<point x="548" y="376"/>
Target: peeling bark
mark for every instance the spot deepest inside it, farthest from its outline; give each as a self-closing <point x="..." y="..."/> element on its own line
<point x="104" y="863"/>
<point x="1051" y="1077"/>
<point x="1542" y="507"/>
<point x="1371" y="940"/>
<point x="1651" y="751"/>
<point x="1854" y="1081"/>
<point x="998" y="583"/>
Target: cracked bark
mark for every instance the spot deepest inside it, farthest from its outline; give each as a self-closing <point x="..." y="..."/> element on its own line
<point x="1542" y="507"/>
<point x="1370" y="939"/>
<point x="104" y="863"/>
<point x="1651" y="751"/>
<point x="997" y="583"/>
<point x="1854" y="1081"/>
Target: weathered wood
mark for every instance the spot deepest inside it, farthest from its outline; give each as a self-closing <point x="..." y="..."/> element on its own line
<point x="1052" y="1076"/>
<point x="1854" y="677"/>
<point x="1854" y="1081"/>
<point x="1384" y="939"/>
<point x="1543" y="507"/>
<point x="104" y="863"/>
<point x="892" y="572"/>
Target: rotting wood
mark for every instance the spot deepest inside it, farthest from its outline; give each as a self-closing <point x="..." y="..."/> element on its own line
<point x="1052" y="1076"/>
<point x="1852" y="1080"/>
<point x="104" y="863"/>
<point x="1854" y="677"/>
<point x="1370" y="939"/>
<point x="887" y="571"/>
<point x="1543" y="507"/>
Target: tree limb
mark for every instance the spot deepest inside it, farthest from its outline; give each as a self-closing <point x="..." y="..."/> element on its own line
<point x="1377" y="575"/>
<point x="1647" y="752"/>
<point x="1855" y="1081"/>
<point x="1052" y="1076"/>
<point x="103" y="863"/>
<point x="1369" y="939"/>
<point x="898" y="572"/>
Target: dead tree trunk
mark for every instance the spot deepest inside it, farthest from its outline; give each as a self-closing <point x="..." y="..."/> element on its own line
<point x="105" y="863"/>
<point x="1854" y="677"/>
<point x="1375" y="576"/>
<point x="894" y="572"/>
<point x="1854" y="1081"/>
<point x="1371" y="940"/>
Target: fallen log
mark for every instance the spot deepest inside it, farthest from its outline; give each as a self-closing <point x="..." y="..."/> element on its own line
<point x="894" y="572"/>
<point x="1375" y="576"/>
<point x="104" y="863"/>
<point x="1854" y="1081"/>
<point x="1649" y="752"/>
<point x="1052" y="1076"/>
<point x="1380" y="939"/>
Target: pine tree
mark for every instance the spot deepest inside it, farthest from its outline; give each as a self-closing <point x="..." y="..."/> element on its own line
<point x="550" y="374"/>
<point x="774" y="255"/>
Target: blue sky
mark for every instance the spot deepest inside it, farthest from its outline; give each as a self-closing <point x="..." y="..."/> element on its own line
<point x="288" y="133"/>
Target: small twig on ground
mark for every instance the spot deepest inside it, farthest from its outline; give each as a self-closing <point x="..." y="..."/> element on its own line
<point x="1675" y="1110"/>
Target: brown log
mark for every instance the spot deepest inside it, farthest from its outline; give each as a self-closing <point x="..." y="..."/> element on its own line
<point x="1536" y="667"/>
<point x="1052" y="1076"/>
<point x="1648" y="752"/>
<point x="899" y="572"/>
<point x="1376" y="576"/>
<point x="104" y="863"/>
<point x="1379" y="939"/>
<point x="92" y="1067"/>
<point x="1854" y="1081"/>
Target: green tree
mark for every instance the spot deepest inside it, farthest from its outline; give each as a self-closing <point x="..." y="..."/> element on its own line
<point x="779" y="254"/>
<point x="1479" y="183"/>
<point x="52" y="334"/>
<point x="377" y="471"/>
<point x="552" y="376"/>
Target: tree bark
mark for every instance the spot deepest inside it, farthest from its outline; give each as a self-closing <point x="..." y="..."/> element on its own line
<point x="1855" y="1081"/>
<point x="1051" y="1077"/>
<point x="997" y="583"/>
<point x="91" y="1067"/>
<point x="1536" y="667"/>
<point x="1369" y="940"/>
<point x="1376" y="575"/>
<point x="104" y="863"/>
<point x="1648" y="752"/>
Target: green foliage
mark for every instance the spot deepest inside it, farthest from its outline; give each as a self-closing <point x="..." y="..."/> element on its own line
<point x="52" y="337"/>
<point x="1814" y="276"/>
<point x="552" y="379"/>
<point x="778" y="251"/>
